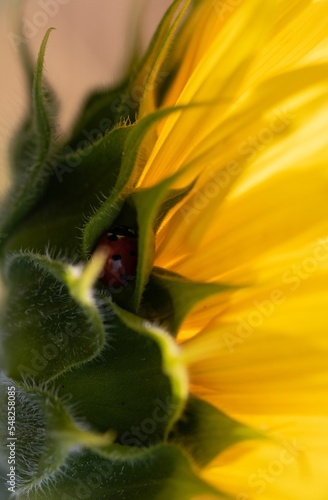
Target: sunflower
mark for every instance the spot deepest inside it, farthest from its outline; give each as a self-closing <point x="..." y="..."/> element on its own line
<point x="165" y="269"/>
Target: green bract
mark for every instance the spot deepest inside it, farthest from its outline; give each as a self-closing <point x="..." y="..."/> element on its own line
<point x="102" y="403"/>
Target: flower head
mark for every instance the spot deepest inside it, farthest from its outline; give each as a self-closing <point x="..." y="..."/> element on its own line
<point x="196" y="365"/>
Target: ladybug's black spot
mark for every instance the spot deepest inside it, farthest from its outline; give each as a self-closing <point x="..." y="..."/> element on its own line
<point x="133" y="253"/>
<point x="116" y="257"/>
<point x="111" y="237"/>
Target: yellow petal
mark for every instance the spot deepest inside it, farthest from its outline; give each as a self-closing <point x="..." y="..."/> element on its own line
<point x="296" y="29"/>
<point x="268" y="218"/>
<point x="208" y="84"/>
<point x="291" y="466"/>
<point x="299" y="27"/>
<point x="194" y="41"/>
<point x="228" y="69"/>
<point x="267" y="354"/>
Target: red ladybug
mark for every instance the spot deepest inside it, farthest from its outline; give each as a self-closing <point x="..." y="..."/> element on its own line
<point x="121" y="245"/>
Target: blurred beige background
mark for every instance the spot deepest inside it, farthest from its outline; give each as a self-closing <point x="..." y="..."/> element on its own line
<point x="87" y="50"/>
